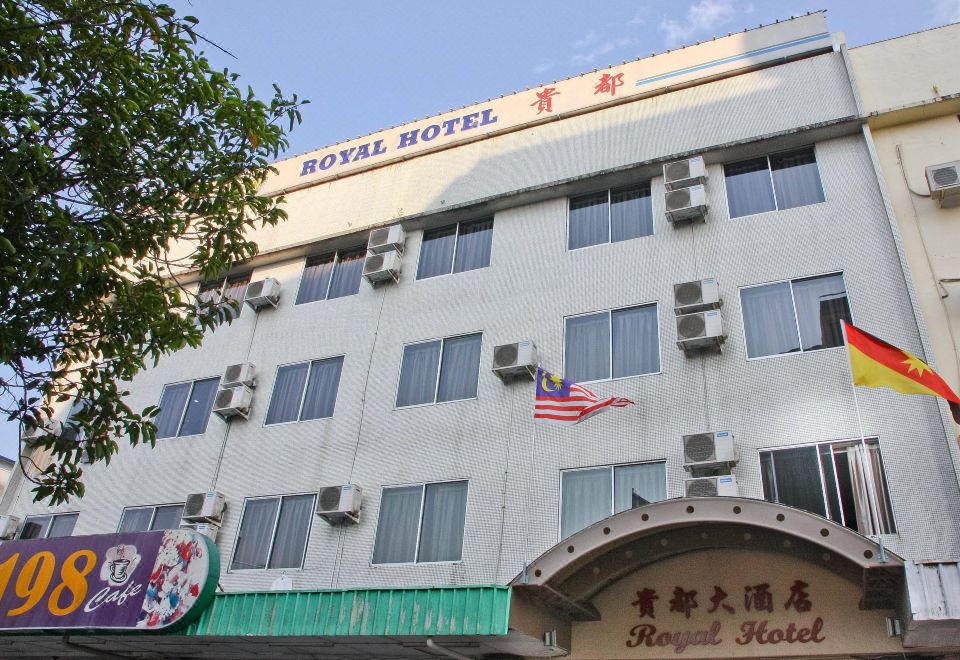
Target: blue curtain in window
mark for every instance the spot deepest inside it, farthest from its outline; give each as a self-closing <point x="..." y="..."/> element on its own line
<point x="587" y="355"/>
<point x="589" y="222"/>
<point x="346" y="274"/>
<point x="444" y="512"/>
<point x="397" y="525"/>
<point x="636" y="349"/>
<point x="648" y="481"/>
<point x="199" y="405"/>
<point x="167" y="517"/>
<point x="62" y="525"/>
<point x="768" y="320"/>
<point x="172" y="401"/>
<point x="821" y="304"/>
<point x="586" y="498"/>
<point x="256" y="528"/>
<point x="293" y="527"/>
<point x="436" y="252"/>
<point x="473" y="246"/>
<point x="418" y="376"/>
<point x="748" y="187"/>
<point x="796" y="178"/>
<point x="321" y="393"/>
<point x="137" y="520"/>
<point x="631" y="214"/>
<point x="459" y="368"/>
<point x="287" y="393"/>
<point x="316" y="279"/>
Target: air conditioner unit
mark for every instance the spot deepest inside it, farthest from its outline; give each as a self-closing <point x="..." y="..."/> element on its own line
<point x="32" y="433"/>
<point x="263" y="293"/>
<point x="709" y="450"/>
<point x="387" y="239"/>
<point x="233" y="401"/>
<point x="696" y="296"/>
<point x="944" y="182"/>
<point x="336" y="504"/>
<point x="8" y="527"/>
<point x="239" y="374"/>
<point x="204" y="507"/>
<point x="382" y="267"/>
<point x="723" y="486"/>
<point x="684" y="173"/>
<point x="210" y="530"/>
<point x="686" y="204"/>
<point x="515" y="360"/>
<point x="700" y="331"/>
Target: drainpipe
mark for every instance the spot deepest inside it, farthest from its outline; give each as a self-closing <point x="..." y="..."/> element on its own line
<point x="433" y="646"/>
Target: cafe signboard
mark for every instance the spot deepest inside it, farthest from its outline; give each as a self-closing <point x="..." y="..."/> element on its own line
<point x="130" y="581"/>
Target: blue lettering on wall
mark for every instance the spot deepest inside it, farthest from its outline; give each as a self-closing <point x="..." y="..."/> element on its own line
<point x="430" y="132"/>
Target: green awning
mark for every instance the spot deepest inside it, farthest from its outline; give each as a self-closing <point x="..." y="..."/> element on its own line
<point x="473" y="610"/>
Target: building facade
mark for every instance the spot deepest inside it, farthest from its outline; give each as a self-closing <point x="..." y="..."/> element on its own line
<point x="547" y="217"/>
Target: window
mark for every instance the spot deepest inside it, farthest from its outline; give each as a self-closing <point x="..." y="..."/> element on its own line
<point x="768" y="183"/>
<point x="422" y="523"/>
<point x="48" y="527"/>
<point x="224" y="290"/>
<point x="793" y="316"/>
<point x="273" y="532"/>
<point x="612" y="344"/>
<point x="185" y="407"/>
<point x="591" y="494"/>
<point x="842" y="481"/>
<point x="149" y="518"/>
<point x="303" y="391"/>
<point x="331" y="276"/>
<point x="439" y="370"/>
<point x="456" y="248"/>
<point x="610" y="216"/>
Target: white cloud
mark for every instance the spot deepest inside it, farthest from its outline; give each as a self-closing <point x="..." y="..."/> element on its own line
<point x="702" y="18"/>
<point x="543" y="66"/>
<point x="589" y="39"/>
<point x="945" y="11"/>
<point x="640" y="18"/>
<point x="591" y="56"/>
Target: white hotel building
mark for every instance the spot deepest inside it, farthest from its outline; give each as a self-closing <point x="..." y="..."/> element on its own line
<point x="563" y="216"/>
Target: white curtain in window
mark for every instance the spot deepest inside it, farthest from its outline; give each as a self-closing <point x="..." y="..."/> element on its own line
<point x="418" y="375"/>
<point x="635" y="346"/>
<point x="768" y="320"/>
<point x="62" y="525"/>
<point x="346" y="274"/>
<point x="459" y="368"/>
<point x="322" y="389"/>
<point x="796" y="179"/>
<point x="199" y="405"/>
<point x="585" y="498"/>
<point x="444" y="512"/>
<point x="287" y="393"/>
<point x="749" y="189"/>
<point x="316" y="279"/>
<point x="235" y="289"/>
<point x="587" y="355"/>
<point x="473" y="246"/>
<point x="167" y="517"/>
<point x="256" y="528"/>
<point x="589" y="222"/>
<point x="397" y="525"/>
<point x="171" y="409"/>
<point x="293" y="527"/>
<point x="136" y="520"/>
<point x="648" y="481"/>
<point x="821" y="304"/>
<point x="436" y="252"/>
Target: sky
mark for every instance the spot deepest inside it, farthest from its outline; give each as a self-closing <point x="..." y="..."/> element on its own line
<point x="366" y="66"/>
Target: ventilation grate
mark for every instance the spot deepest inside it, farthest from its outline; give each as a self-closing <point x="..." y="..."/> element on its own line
<point x="379" y="236"/>
<point x="702" y="488"/>
<point x="678" y="199"/>
<point x="505" y="356"/>
<point x="691" y="326"/>
<point x="330" y="498"/>
<point x="678" y="170"/>
<point x="946" y="176"/>
<point x="224" y="399"/>
<point x="373" y="264"/>
<point x="233" y="373"/>
<point x="699" y="448"/>
<point x="690" y="293"/>
<point x="255" y="290"/>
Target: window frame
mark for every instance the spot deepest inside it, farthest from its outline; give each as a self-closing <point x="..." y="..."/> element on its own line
<point x="874" y="495"/>
<point x="436" y="384"/>
<point x="796" y="318"/>
<point x="336" y="263"/>
<point x="649" y="188"/>
<point x="776" y="200"/>
<point x="303" y="394"/>
<point x="273" y="533"/>
<point x="46" y="533"/>
<point x="183" y="413"/>
<point x="609" y="313"/>
<point x="153" y="514"/>
<point x="613" y="487"/>
<point x="423" y="498"/>
<point x="456" y="246"/>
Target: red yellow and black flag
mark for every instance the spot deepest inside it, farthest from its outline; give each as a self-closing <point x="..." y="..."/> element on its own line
<point x="875" y="363"/>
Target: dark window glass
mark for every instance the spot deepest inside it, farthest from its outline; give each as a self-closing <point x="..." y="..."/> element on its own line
<point x="749" y="189"/>
<point x="346" y="274"/>
<point x="198" y="407"/>
<point x="473" y="246"/>
<point x="316" y="279"/>
<point x="796" y="479"/>
<point x="589" y="222"/>
<point x="48" y="527"/>
<point x="796" y="178"/>
<point x="631" y="213"/>
<point x="436" y="252"/>
<point x="35" y="527"/>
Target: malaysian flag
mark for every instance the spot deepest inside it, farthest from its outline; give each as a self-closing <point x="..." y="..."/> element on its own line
<point x="563" y="402"/>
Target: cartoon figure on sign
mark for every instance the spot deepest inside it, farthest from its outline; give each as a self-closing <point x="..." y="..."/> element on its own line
<point x="119" y="564"/>
<point x="175" y="582"/>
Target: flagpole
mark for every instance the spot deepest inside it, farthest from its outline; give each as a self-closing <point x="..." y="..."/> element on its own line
<point x="872" y="497"/>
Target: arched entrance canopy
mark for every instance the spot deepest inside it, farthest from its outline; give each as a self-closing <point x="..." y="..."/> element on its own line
<point x="569" y="574"/>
